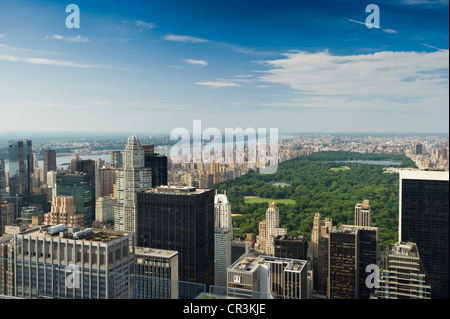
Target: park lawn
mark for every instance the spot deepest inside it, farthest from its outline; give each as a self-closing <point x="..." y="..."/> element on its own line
<point x="257" y="200"/>
<point x="339" y="169"/>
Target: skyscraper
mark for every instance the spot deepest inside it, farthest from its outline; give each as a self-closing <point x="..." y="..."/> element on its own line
<point x="319" y="249"/>
<point x="116" y="159"/>
<point x="21" y="167"/>
<point x="2" y="180"/>
<point x="89" y="168"/>
<point x="77" y="185"/>
<point x="223" y="236"/>
<point x="351" y="250"/>
<point x="63" y="212"/>
<point x="424" y="220"/>
<point x="272" y="228"/>
<point x="132" y="178"/>
<point x="362" y="213"/>
<point x="222" y="212"/>
<point x="290" y="246"/>
<point x="49" y="162"/>
<point x="158" y="164"/>
<point x="402" y="275"/>
<point x="180" y="219"/>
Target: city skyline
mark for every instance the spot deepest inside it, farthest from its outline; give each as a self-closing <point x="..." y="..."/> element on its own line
<point x="154" y="66"/>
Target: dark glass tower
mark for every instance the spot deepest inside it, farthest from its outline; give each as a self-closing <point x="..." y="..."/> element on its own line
<point x="351" y="250"/>
<point x="180" y="219"/>
<point x="49" y="162"/>
<point x="87" y="167"/>
<point x="289" y="246"/>
<point x="21" y="168"/>
<point x="77" y="185"/>
<point x="158" y="165"/>
<point x="423" y="219"/>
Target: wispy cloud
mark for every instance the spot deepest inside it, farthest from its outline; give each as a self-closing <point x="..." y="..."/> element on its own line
<point x="218" y="84"/>
<point x="2" y="35"/>
<point x="7" y="47"/>
<point x="196" y="62"/>
<point x="41" y="61"/>
<point x="391" y="31"/>
<point x="142" y="25"/>
<point x="73" y="39"/>
<point x="184" y="38"/>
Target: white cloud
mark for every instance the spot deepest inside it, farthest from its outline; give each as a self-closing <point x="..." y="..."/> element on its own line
<point x="73" y="39"/>
<point x="218" y="84"/>
<point x="142" y="25"/>
<point x="393" y="80"/>
<point x="184" y="38"/>
<point x="2" y="35"/>
<point x="41" y="61"/>
<point x="196" y="62"/>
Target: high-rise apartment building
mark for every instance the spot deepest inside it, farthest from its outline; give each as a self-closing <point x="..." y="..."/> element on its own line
<point x="266" y="239"/>
<point x="21" y="167"/>
<point x="107" y="177"/>
<point x="179" y="219"/>
<point x="319" y="250"/>
<point x="362" y="213"/>
<point x="6" y="215"/>
<point x="49" y="163"/>
<point x="63" y="212"/>
<point x="424" y="220"/>
<point x="77" y="185"/>
<point x="402" y="275"/>
<point x="351" y="250"/>
<point x="132" y="178"/>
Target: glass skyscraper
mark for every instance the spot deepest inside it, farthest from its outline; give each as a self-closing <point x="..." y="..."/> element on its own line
<point x="21" y="167"/>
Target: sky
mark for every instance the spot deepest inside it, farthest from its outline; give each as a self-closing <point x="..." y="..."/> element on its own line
<point x="156" y="65"/>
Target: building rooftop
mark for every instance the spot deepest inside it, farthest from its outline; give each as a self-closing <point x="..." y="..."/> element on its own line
<point x="75" y="233"/>
<point x="183" y="190"/>
<point x="251" y="262"/>
<point x="153" y="252"/>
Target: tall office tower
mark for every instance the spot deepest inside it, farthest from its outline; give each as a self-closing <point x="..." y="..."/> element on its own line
<point x="321" y="227"/>
<point x="320" y="274"/>
<point x="238" y="248"/>
<point x="77" y="185"/>
<point x="266" y="277"/>
<point x="107" y="177"/>
<point x="21" y="168"/>
<point x="362" y="213"/>
<point x="49" y="163"/>
<point x="89" y="168"/>
<point x="2" y="180"/>
<point x="222" y="212"/>
<point x="155" y="274"/>
<point x="66" y="263"/>
<point x="6" y="215"/>
<point x="158" y="164"/>
<point x="290" y="246"/>
<point x="104" y="209"/>
<point x="116" y="159"/>
<point x="402" y="275"/>
<point x="222" y="255"/>
<point x="418" y="148"/>
<point x="351" y="250"/>
<point x="424" y="219"/>
<point x="132" y="178"/>
<point x="181" y="219"/>
<point x="273" y="229"/>
<point x="63" y="212"/>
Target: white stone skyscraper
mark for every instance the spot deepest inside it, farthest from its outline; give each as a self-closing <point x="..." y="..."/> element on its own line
<point x="131" y="178"/>
<point x="222" y="212"/>
<point x="272" y="227"/>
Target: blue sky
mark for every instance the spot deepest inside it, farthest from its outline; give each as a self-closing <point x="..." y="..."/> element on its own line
<point x="152" y="66"/>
